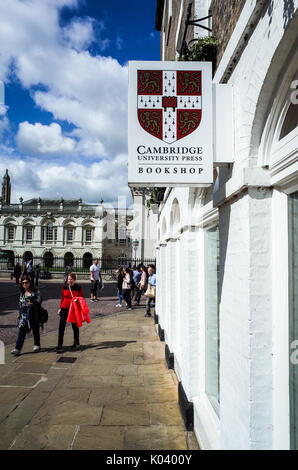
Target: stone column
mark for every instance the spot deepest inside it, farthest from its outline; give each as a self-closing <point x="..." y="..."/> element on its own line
<point x="246" y="321"/>
<point x="162" y="292"/>
<point x="171" y="289"/>
<point x="190" y="311"/>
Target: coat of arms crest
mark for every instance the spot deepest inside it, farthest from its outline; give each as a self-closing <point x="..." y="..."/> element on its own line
<point x="169" y="103"/>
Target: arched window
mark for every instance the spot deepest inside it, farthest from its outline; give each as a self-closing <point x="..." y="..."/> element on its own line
<point x="48" y="259"/>
<point x="68" y="259"/>
<point x="87" y="260"/>
<point x="290" y="121"/>
<point x="27" y="255"/>
<point x="49" y="232"/>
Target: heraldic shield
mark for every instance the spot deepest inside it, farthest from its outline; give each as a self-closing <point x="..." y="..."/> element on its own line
<point x="169" y="103"/>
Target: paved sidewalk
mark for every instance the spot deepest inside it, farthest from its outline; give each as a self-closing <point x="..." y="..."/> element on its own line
<point x="118" y="394"/>
<point x="50" y="292"/>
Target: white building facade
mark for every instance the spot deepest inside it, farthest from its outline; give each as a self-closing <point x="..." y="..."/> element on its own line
<point x="227" y="255"/>
<point x="49" y="229"/>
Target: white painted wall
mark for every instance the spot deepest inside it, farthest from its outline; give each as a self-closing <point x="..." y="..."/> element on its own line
<point x="251" y="207"/>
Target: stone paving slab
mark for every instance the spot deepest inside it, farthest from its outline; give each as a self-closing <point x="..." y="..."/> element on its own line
<point x="101" y="438"/>
<point x="118" y="394"/>
<point x="156" y="438"/>
<point x="128" y="415"/>
<point x="54" y="437"/>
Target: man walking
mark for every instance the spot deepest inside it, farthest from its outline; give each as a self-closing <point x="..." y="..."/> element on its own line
<point x="136" y="278"/>
<point x="95" y="277"/>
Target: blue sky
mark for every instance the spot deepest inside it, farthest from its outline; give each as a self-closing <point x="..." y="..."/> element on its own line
<point x="64" y="65"/>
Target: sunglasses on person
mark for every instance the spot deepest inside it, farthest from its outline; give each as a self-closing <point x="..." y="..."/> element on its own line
<point x="25" y="282"/>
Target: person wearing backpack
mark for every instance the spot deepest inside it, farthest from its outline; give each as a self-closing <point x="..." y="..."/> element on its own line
<point x="29" y="315"/>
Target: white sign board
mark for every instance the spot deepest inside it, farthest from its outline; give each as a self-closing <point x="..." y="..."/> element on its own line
<point x="170" y="124"/>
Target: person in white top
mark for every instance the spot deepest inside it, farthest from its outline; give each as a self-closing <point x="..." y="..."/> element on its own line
<point x="95" y="277"/>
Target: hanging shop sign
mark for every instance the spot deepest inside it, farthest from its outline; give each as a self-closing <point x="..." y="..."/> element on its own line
<point x="170" y="135"/>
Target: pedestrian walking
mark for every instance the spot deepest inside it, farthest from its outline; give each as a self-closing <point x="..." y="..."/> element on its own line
<point x="17" y="273"/>
<point x="150" y="293"/>
<point x="142" y="285"/>
<point x="28" y="267"/>
<point x="96" y="280"/>
<point x="37" y="271"/>
<point x="29" y="315"/>
<point x="68" y="270"/>
<point x="136" y="279"/>
<point x="126" y="287"/>
<point x="70" y="290"/>
<point x="120" y="277"/>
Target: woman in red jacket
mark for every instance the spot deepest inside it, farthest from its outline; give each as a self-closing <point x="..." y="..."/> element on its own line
<point x="69" y="289"/>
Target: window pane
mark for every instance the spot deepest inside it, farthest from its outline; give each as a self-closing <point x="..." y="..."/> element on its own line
<point x="49" y="232"/>
<point x="10" y="233"/>
<point x="29" y="234"/>
<point x="290" y="122"/>
<point x="69" y="235"/>
<point x="88" y="235"/>
<point x="212" y="316"/>
<point x="293" y="320"/>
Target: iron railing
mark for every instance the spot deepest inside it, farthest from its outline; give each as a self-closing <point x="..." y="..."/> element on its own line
<point x="78" y="264"/>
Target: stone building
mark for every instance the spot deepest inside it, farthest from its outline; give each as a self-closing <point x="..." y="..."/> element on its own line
<point x="227" y="255"/>
<point x="47" y="229"/>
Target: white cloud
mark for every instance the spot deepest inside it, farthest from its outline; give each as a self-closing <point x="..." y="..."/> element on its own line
<point x="79" y="33"/>
<point x="38" y="178"/>
<point x="88" y="91"/>
<point x="44" y="140"/>
<point x="119" y="42"/>
<point x="4" y="122"/>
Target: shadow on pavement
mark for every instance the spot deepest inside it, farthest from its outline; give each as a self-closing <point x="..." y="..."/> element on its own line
<point x="84" y="347"/>
<point x="114" y="344"/>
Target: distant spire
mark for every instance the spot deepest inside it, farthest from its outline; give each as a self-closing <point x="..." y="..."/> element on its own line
<point x="6" y="189"/>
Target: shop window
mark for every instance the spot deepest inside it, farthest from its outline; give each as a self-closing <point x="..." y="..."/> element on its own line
<point x="290" y="122"/>
<point x="212" y="316"/>
<point x="293" y="320"/>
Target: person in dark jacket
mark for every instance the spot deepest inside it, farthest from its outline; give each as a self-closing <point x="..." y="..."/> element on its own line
<point x="37" y="270"/>
<point x="119" y="285"/>
<point x="17" y="273"/>
<point x="69" y="290"/>
<point x="29" y="315"/>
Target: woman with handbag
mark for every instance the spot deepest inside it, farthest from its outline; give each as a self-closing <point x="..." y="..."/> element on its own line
<point x="28" y="318"/>
<point x="69" y="290"/>
<point x="150" y="293"/>
<point x="126" y="288"/>
<point x="142" y="286"/>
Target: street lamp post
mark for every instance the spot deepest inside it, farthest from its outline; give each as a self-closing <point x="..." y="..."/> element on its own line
<point x="135" y="245"/>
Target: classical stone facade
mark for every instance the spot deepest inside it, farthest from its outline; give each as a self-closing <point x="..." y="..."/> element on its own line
<point x="227" y="255"/>
<point x="49" y="228"/>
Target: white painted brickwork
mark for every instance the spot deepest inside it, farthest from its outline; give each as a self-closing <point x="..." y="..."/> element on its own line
<point x="251" y="212"/>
